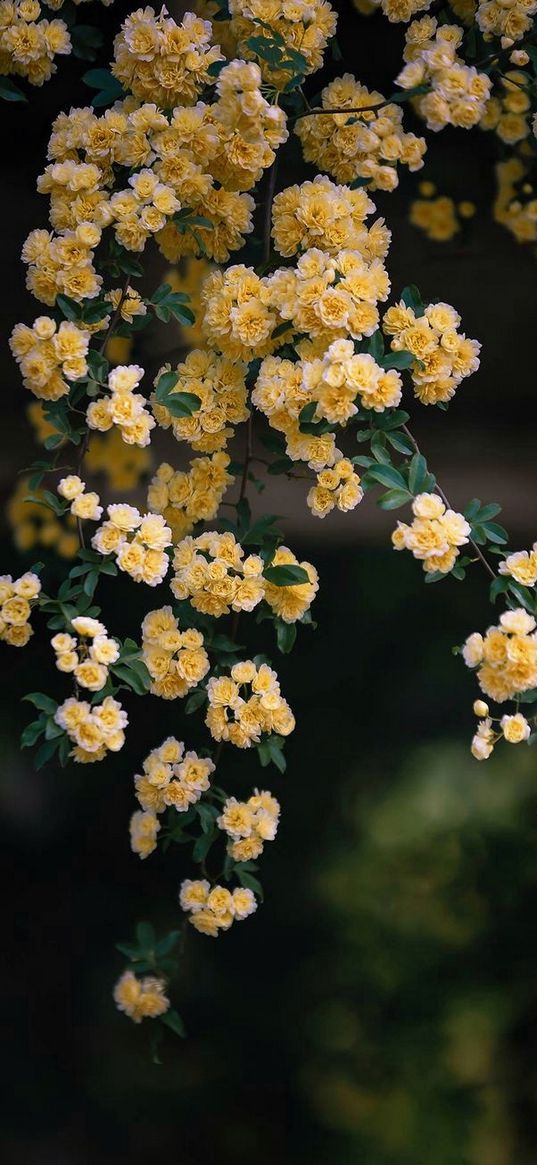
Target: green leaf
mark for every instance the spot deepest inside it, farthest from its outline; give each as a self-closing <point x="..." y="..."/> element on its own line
<point x="379" y="450"/>
<point x="387" y="475"/>
<point x="274" y="748"/>
<point x="411" y="297"/>
<point x="285" y="635"/>
<point x="394" y="498"/>
<point x="167" y="943"/>
<point x="129" y="675"/>
<point x="145" y="935"/>
<point x="195" y="701"/>
<point x="287" y="575"/>
<point x="434" y="576"/>
<point x="528" y="697"/>
<point x="398" y="360"/>
<point x="164" y="386"/>
<point x="45" y="753"/>
<point x="522" y="596"/>
<point x="417" y="473"/>
<point x="183" y="404"/>
<point x="9" y="91"/>
<point x="173" y="1020"/>
<point x="223" y="643"/>
<point x="42" y="702"/>
<point x="85" y="40"/>
<point x="98" y="365"/>
<point x="32" y="732"/>
<point x="280" y="465"/>
<point x="375" y="345"/>
<point x="401" y="443"/>
<point x="494" y="532"/>
<point x="249" y="881"/>
<point x="498" y="587"/>
<point x="202" y="846"/>
<point x="69" y="307"/>
<point x="307" y="413"/>
<point x="110" y="89"/>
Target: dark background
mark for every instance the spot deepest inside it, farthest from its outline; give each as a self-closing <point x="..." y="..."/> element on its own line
<point x="381" y="1006"/>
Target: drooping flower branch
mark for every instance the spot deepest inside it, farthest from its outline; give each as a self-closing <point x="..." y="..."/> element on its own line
<point x="298" y="351"/>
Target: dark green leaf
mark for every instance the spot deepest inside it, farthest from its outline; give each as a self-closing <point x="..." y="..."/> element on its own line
<point x="285" y="635"/>
<point x="173" y="1020"/>
<point x="417" y="473"/>
<point x="287" y="575"/>
<point x="394" y="498"/>
<point x="387" y="475"/>
<point x="42" y="702"/>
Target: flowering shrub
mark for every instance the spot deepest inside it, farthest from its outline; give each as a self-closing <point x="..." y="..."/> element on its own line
<point x="296" y="345"/>
<point x="30" y="42"/>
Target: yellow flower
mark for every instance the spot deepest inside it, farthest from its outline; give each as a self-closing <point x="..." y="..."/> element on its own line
<point x="141" y="998"/>
<point x="291" y="602"/>
<point x="515" y="728"/>
<point x="144" y="827"/>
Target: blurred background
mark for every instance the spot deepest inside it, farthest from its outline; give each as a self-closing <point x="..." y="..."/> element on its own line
<point x="381" y="1007"/>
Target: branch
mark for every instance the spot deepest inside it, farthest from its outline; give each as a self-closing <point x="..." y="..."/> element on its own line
<point x="447" y="503"/>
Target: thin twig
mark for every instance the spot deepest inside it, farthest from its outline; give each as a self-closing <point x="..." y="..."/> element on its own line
<point x="85" y="442"/>
<point x="447" y="503"/>
<point x="319" y="109"/>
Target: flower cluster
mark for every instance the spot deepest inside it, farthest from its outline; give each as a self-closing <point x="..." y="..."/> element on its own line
<point x="213" y="573"/>
<point x="84" y="505"/>
<point x="124" y="407"/>
<point x="459" y="92"/>
<point x="211" y="910"/>
<point x="505" y="657"/>
<point x="321" y="212"/>
<point x="304" y="26"/>
<point x="49" y="356"/>
<point x="330" y="297"/>
<point x="137" y="541"/>
<point x="443" y="357"/>
<point x="343" y="377"/>
<point x="141" y="998"/>
<point x="219" y="384"/>
<point x="94" y="729"/>
<point x="29" y="42"/>
<point x="249" y="128"/>
<point x="161" y="61"/>
<point x="439" y="217"/>
<point x="339" y="486"/>
<point x="508" y="111"/>
<point x="172" y="777"/>
<point x="238" y="317"/>
<point x="249" y="824"/>
<point x="63" y="264"/>
<point x="510" y="18"/>
<point x="290" y="603"/>
<point x="522" y="566"/>
<point x="176" y="660"/>
<point x="281" y="395"/>
<point x="16" y="598"/>
<point x="399" y="11"/>
<point x="123" y="465"/>
<point x="435" y="536"/>
<point x="369" y="145"/>
<point x="89" y="662"/>
<point x="186" y="498"/>
<point x="514" y="729"/>
<point x="515" y="206"/>
<point x="244" y="719"/>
